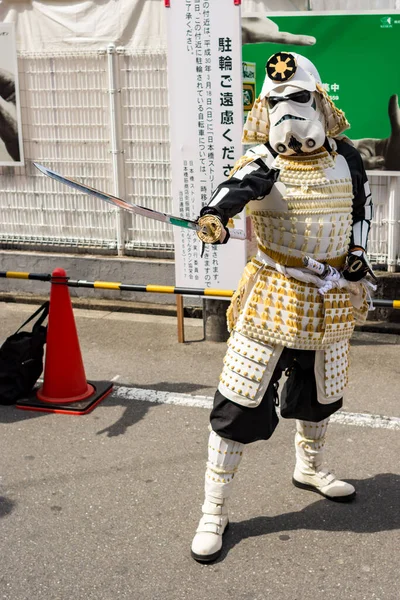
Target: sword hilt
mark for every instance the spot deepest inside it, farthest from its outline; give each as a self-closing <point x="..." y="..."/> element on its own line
<point x="237" y="234"/>
<point x="211" y="228"/>
<point x="319" y="268"/>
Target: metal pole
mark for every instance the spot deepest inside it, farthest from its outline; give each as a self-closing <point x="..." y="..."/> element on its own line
<point x="392" y="226"/>
<point x="180" y="318"/>
<point x="114" y="93"/>
<point x="150" y="288"/>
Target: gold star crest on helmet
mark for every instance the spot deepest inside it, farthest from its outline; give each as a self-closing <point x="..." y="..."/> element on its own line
<point x="281" y="66"/>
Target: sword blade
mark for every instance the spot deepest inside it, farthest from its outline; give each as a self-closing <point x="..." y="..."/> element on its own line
<point x="118" y="202"/>
<point x="130" y="207"/>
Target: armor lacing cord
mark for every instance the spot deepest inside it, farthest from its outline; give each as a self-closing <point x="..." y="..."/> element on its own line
<point x="212" y="467"/>
<point x="289" y="370"/>
<point x="302" y="274"/>
<point x="275" y="392"/>
<point x="369" y="287"/>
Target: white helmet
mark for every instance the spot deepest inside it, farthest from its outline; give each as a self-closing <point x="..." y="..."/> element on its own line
<point x="286" y="74"/>
<point x="284" y="67"/>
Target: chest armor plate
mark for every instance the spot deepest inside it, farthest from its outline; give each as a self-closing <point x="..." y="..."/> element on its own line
<point x="308" y="210"/>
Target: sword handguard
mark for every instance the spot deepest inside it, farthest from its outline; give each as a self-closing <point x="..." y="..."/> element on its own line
<point x="211" y="229"/>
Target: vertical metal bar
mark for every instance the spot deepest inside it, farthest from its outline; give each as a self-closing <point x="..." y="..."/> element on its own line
<point x="392" y="226"/>
<point x="179" y="315"/>
<point x="114" y="93"/>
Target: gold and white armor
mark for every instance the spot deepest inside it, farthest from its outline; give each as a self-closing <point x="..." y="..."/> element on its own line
<point x="307" y="212"/>
<point x="302" y="200"/>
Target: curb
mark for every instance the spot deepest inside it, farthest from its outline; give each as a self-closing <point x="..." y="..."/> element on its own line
<point x="111" y="305"/>
<point x="193" y="312"/>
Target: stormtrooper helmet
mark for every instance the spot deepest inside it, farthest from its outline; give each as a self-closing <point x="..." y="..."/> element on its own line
<point x="293" y="112"/>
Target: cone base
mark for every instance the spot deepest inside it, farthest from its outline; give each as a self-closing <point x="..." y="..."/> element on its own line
<point x="101" y="389"/>
<point x="43" y="398"/>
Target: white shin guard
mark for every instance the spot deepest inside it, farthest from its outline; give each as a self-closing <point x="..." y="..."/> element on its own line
<point x="224" y="457"/>
<point x="308" y="474"/>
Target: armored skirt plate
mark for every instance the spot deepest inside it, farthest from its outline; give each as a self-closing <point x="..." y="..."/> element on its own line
<point x="271" y="311"/>
<point x="249" y="366"/>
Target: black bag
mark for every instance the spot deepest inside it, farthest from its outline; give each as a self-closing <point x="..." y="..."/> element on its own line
<point x="21" y="359"/>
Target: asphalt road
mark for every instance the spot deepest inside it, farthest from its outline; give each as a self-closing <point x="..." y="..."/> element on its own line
<point x="104" y="506"/>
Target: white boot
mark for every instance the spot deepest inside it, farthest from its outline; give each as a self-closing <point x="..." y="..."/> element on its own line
<point x="308" y="474"/>
<point x="224" y="457"/>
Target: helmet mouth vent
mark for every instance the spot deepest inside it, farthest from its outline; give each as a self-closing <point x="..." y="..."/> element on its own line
<point x="295" y="145"/>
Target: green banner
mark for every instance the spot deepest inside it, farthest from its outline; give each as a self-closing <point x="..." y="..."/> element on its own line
<point x="357" y="57"/>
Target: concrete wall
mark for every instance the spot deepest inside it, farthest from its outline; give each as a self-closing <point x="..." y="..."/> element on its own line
<point x="91" y="268"/>
<point x="389" y="288"/>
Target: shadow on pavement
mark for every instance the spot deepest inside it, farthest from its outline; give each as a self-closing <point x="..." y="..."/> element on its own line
<point x="6" y="506"/>
<point x="375" y="509"/>
<point x="134" y="412"/>
<point x="137" y="410"/>
<point x="10" y="414"/>
<point x="374" y="339"/>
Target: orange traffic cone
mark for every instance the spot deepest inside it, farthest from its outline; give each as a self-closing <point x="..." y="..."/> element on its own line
<point x="65" y="388"/>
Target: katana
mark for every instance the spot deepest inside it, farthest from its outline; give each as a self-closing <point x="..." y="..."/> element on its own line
<point x="133" y="208"/>
<point x="322" y="270"/>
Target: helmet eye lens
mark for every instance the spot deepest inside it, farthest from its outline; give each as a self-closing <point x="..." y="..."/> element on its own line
<point x="303" y="96"/>
<point x="273" y="101"/>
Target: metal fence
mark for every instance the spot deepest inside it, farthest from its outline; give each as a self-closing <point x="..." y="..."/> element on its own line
<point x="103" y="117"/>
<point x="100" y="117"/>
<point x="384" y="238"/>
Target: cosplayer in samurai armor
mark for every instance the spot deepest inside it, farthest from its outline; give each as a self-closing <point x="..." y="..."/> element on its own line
<point x="299" y="298"/>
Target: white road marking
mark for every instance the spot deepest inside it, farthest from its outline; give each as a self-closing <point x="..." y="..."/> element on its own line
<point x="157" y="397"/>
<point x="366" y="420"/>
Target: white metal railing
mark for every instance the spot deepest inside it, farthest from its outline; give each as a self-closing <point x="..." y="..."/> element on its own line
<point x="146" y="145"/>
<point x="103" y="117"/>
<point x="65" y="124"/>
<point x="384" y="240"/>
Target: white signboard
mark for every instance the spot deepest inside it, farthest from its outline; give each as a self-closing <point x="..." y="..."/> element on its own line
<point x="11" y="151"/>
<point x="206" y="108"/>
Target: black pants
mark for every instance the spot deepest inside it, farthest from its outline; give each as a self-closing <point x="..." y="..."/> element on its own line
<point x="298" y="401"/>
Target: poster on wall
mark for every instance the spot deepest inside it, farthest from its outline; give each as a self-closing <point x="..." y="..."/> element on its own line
<point x="357" y="58"/>
<point x="249" y="87"/>
<point x="206" y="120"/>
<point x="11" y="150"/>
